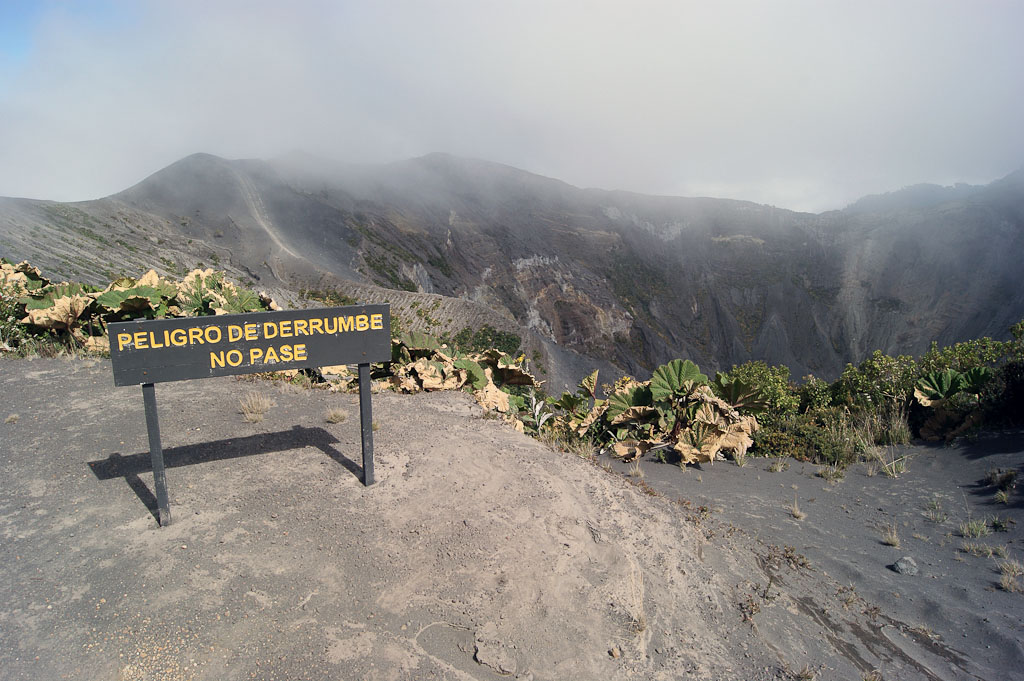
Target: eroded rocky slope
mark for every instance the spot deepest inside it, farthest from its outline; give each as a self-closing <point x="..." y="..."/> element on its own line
<point x="629" y="279"/>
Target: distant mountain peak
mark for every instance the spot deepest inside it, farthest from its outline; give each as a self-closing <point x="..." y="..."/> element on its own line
<point x="913" y="197"/>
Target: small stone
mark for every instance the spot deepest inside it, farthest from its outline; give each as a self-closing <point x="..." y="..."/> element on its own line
<point x="905" y="566"/>
<point x="615" y="652"/>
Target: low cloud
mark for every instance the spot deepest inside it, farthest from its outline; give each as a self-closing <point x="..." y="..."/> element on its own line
<point x="803" y="105"/>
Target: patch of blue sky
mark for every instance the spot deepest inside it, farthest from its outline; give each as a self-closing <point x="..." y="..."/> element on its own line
<point x="22" y="21"/>
<point x="18" y="21"/>
<point x="25" y="24"/>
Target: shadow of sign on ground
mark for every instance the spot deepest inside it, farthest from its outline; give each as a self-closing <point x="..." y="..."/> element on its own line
<point x="131" y="467"/>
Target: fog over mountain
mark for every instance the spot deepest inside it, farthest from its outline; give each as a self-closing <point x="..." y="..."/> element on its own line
<point x="616" y="279"/>
<point x="799" y="104"/>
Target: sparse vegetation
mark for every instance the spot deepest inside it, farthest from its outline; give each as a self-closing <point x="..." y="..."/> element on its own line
<point x="335" y="415"/>
<point x="934" y="512"/>
<point x="1004" y="479"/>
<point x="972" y="529"/>
<point x="805" y="673"/>
<point x="999" y="524"/>
<point x="891" y="535"/>
<point x="253" y="406"/>
<point x="847" y="596"/>
<point x="832" y="472"/>
<point x="795" y="511"/>
<point x="977" y="549"/>
<point x="486" y="337"/>
<point x="893" y="466"/>
<point x="676" y="415"/>
<point x="1013" y="568"/>
<point x="329" y="297"/>
<point x="1010" y="584"/>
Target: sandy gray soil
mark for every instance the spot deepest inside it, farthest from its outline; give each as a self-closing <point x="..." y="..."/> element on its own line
<point x="954" y="607"/>
<point x="479" y="554"/>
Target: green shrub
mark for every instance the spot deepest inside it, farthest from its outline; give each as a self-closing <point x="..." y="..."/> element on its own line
<point x="880" y="382"/>
<point x="773" y="384"/>
<point x="12" y="332"/>
<point x="467" y="340"/>
<point x="1003" y="396"/>
<point x="971" y="354"/>
<point x="774" y="442"/>
<point x="815" y="394"/>
<point x="826" y="436"/>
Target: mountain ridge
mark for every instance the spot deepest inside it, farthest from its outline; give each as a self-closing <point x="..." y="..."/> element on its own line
<point x="629" y="279"/>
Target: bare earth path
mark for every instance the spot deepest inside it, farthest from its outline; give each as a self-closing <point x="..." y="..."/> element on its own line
<point x="479" y="554"/>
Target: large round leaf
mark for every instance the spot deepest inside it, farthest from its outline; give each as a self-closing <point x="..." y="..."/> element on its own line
<point x="677" y="378"/>
<point x="744" y="397"/>
<point x="938" y="386"/>
<point x="637" y="396"/>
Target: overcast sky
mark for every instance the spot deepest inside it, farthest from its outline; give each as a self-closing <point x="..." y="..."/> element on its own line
<point x="804" y="105"/>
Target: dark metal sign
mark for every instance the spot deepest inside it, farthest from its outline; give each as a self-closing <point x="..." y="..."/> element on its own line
<point x="160" y="350"/>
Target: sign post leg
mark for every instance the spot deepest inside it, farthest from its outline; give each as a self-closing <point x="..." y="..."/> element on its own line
<point x="156" y="454"/>
<point x="366" y="423"/>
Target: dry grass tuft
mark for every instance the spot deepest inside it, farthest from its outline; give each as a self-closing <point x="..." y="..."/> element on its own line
<point x="778" y="465"/>
<point x="976" y="549"/>
<point x="972" y="529"/>
<point x="934" y="512"/>
<point x="999" y="524"/>
<point x="893" y="466"/>
<point x="635" y="471"/>
<point x="891" y="535"/>
<point x="253" y="406"/>
<point x="805" y="673"/>
<point x="794" y="510"/>
<point x="1004" y="479"/>
<point x="847" y="596"/>
<point x="571" y="445"/>
<point x="1012" y="568"/>
<point x="335" y="415"/>
<point x="1010" y="584"/>
<point x="832" y="472"/>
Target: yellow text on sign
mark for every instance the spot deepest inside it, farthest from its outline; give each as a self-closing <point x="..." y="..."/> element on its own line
<point x="268" y="355"/>
<point x="252" y="331"/>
